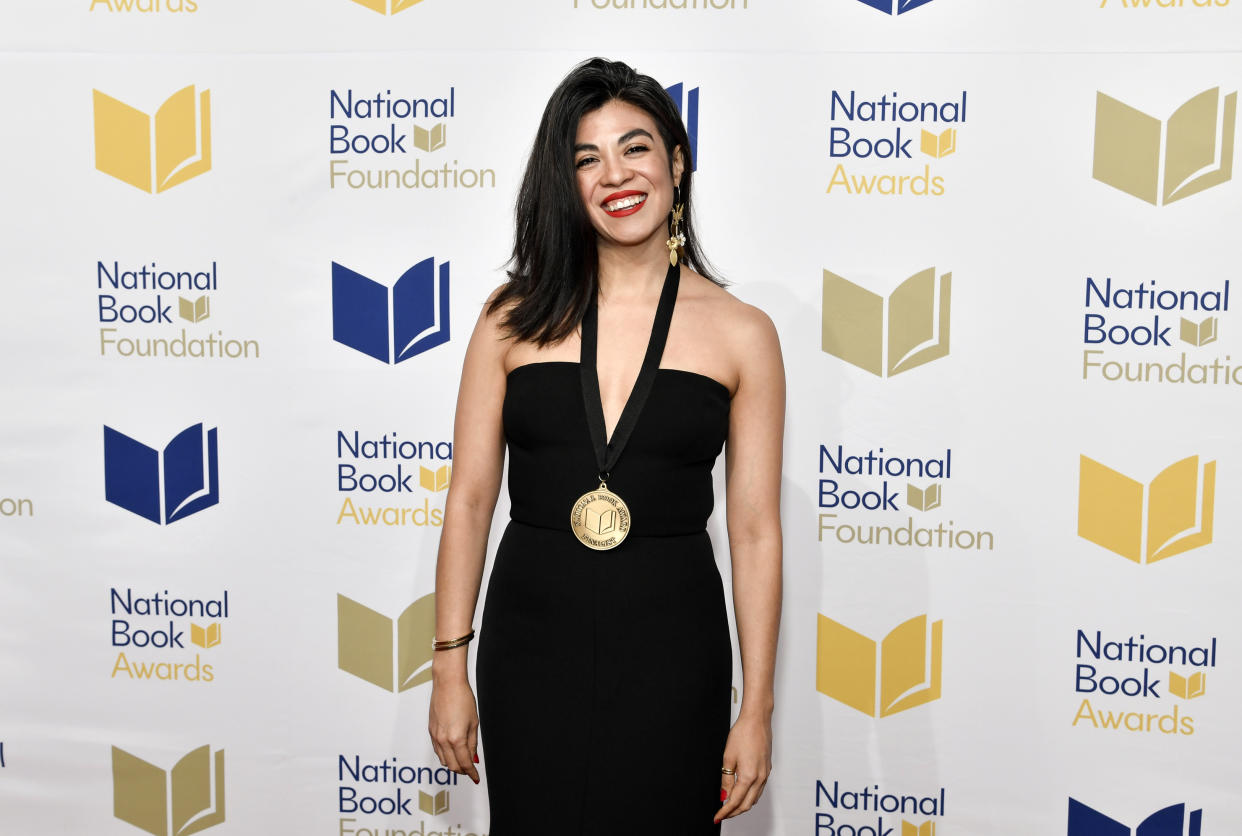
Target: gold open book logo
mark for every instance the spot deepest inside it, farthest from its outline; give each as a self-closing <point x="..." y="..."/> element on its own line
<point x="177" y="802"/>
<point x="898" y="673"/>
<point x="887" y="336"/>
<point x="1161" y="162"/>
<point x="927" y="828"/>
<point x="154" y="153"/>
<point x="1146" y="523"/>
<point x="435" y="478"/>
<point x="387" y="7"/>
<point x="1199" y="333"/>
<point x="433" y="804"/>
<point x="366" y="646"/>
<point x="1187" y="687"/>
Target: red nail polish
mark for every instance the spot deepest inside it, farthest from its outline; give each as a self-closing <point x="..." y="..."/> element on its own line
<point x="476" y="758"/>
<point x="724" y="795"/>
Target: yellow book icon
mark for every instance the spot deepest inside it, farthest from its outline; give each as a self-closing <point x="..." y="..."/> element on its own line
<point x="433" y="805"/>
<point x="1196" y="141"/>
<point x="148" y="798"/>
<point x="923" y="500"/>
<point x="601" y="523"/>
<point x="429" y="140"/>
<point x="1199" y="333"/>
<point x="1179" y="505"/>
<point x="915" y="317"/>
<point x="205" y="637"/>
<point x="901" y="672"/>
<point x="436" y="479"/>
<point x="196" y="310"/>
<point x="387" y="7"/>
<point x="939" y="145"/>
<point x="154" y="153"/>
<point x="927" y="828"/>
<point x="1187" y="687"/>
<point x="366" y="648"/>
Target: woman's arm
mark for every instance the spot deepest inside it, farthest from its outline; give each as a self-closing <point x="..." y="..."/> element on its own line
<point x="753" y="498"/>
<point x="478" y="460"/>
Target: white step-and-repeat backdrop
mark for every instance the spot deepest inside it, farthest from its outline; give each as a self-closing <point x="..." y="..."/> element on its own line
<point x="244" y="244"/>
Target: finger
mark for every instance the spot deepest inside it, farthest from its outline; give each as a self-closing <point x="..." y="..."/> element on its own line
<point x="465" y="757"/>
<point x="449" y="756"/>
<point x="472" y="740"/>
<point x="439" y="752"/>
<point x="741" y="786"/>
<point x="730" y="793"/>
<point x="752" y="795"/>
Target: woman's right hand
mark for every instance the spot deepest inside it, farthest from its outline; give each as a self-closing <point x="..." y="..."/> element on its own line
<point x="454" y="726"/>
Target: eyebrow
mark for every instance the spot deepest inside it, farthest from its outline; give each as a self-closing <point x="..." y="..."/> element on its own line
<point x="624" y="138"/>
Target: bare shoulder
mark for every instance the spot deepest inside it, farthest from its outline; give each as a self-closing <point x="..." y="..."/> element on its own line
<point x="731" y="337"/>
<point x="490" y="337"/>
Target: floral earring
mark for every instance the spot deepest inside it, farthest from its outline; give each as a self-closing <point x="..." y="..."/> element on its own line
<point x="677" y="238"/>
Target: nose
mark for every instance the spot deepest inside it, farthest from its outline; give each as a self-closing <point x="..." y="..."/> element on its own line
<point x="616" y="170"/>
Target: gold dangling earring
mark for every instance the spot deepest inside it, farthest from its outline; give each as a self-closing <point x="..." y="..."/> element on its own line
<point x="677" y="238"/>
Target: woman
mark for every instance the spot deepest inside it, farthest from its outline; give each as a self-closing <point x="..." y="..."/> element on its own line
<point x="604" y="664"/>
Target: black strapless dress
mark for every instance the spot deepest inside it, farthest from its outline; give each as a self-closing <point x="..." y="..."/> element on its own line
<point x="604" y="677"/>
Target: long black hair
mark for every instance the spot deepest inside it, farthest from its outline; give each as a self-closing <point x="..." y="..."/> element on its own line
<point x="553" y="275"/>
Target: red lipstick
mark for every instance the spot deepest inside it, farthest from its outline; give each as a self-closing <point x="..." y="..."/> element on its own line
<point x="629" y="210"/>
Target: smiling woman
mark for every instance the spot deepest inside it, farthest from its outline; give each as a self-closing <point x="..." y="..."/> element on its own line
<point x="613" y="370"/>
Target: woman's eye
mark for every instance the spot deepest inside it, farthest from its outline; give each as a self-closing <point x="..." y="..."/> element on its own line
<point x="634" y="149"/>
<point x="583" y="162"/>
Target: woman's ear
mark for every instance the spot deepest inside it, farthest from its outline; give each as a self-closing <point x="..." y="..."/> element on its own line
<point x="679" y="165"/>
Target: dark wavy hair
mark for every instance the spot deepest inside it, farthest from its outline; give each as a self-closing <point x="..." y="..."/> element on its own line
<point x="553" y="275"/>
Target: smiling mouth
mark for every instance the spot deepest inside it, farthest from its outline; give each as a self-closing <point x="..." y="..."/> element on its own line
<point x="625" y="205"/>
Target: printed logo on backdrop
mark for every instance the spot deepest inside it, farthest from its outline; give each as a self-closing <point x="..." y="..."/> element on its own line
<point x="895" y="7"/>
<point x="887" y="336"/>
<point x="872" y="812"/>
<point x="1135" y="684"/>
<point x="687" y="101"/>
<point x="391" y="324"/>
<point x="145" y="6"/>
<point x="154" y="153"/>
<point x="174" y="802"/>
<point x="165" y="638"/>
<point x="16" y="506"/>
<point x="393" y="655"/>
<point x="378" y="140"/>
<point x="1144" y="523"/>
<point x="876" y="144"/>
<point x="1175" y="820"/>
<point x="855" y="486"/>
<point x="390" y="788"/>
<point x="1141" y="332"/>
<point x="396" y="472"/>
<point x="1163" y="162"/>
<point x="149" y="311"/>
<point x="882" y="678"/>
<point x="664" y="5"/>
<point x="388" y="7"/>
<point x="166" y="485"/>
<point x="1163" y="4"/>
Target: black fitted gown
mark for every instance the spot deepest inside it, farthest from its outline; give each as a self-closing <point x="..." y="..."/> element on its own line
<point x="604" y="677"/>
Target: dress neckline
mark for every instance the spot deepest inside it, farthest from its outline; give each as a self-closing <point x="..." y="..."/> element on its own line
<point x="661" y="370"/>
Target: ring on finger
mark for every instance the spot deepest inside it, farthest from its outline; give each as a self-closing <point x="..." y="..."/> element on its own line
<point x="724" y="770"/>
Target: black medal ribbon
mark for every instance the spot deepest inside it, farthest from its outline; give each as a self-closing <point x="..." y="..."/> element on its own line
<point x="608" y="451"/>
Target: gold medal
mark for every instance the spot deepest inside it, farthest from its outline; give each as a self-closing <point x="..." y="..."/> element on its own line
<point x="600" y="519"/>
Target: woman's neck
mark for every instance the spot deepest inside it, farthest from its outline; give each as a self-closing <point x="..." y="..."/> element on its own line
<point x="631" y="272"/>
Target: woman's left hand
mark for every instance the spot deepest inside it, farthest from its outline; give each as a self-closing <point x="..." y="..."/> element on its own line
<point x="748" y="753"/>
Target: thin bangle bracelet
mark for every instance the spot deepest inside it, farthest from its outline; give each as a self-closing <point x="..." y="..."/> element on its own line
<point x="452" y="643"/>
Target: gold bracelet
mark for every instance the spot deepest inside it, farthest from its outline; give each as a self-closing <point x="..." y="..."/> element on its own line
<point x="452" y="643"/>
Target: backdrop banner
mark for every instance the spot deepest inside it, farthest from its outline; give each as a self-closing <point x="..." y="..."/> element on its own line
<point x="245" y="245"/>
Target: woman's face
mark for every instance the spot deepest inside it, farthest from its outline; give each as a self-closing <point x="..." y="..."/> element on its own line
<point x="623" y="174"/>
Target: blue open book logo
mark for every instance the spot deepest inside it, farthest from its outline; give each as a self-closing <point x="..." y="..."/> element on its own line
<point x="1171" y="821"/>
<point x="895" y="7"/>
<point x="163" y="486"/>
<point x="391" y="325"/>
<point x="687" y="102"/>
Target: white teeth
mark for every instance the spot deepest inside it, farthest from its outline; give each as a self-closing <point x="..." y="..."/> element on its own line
<point x="625" y="202"/>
